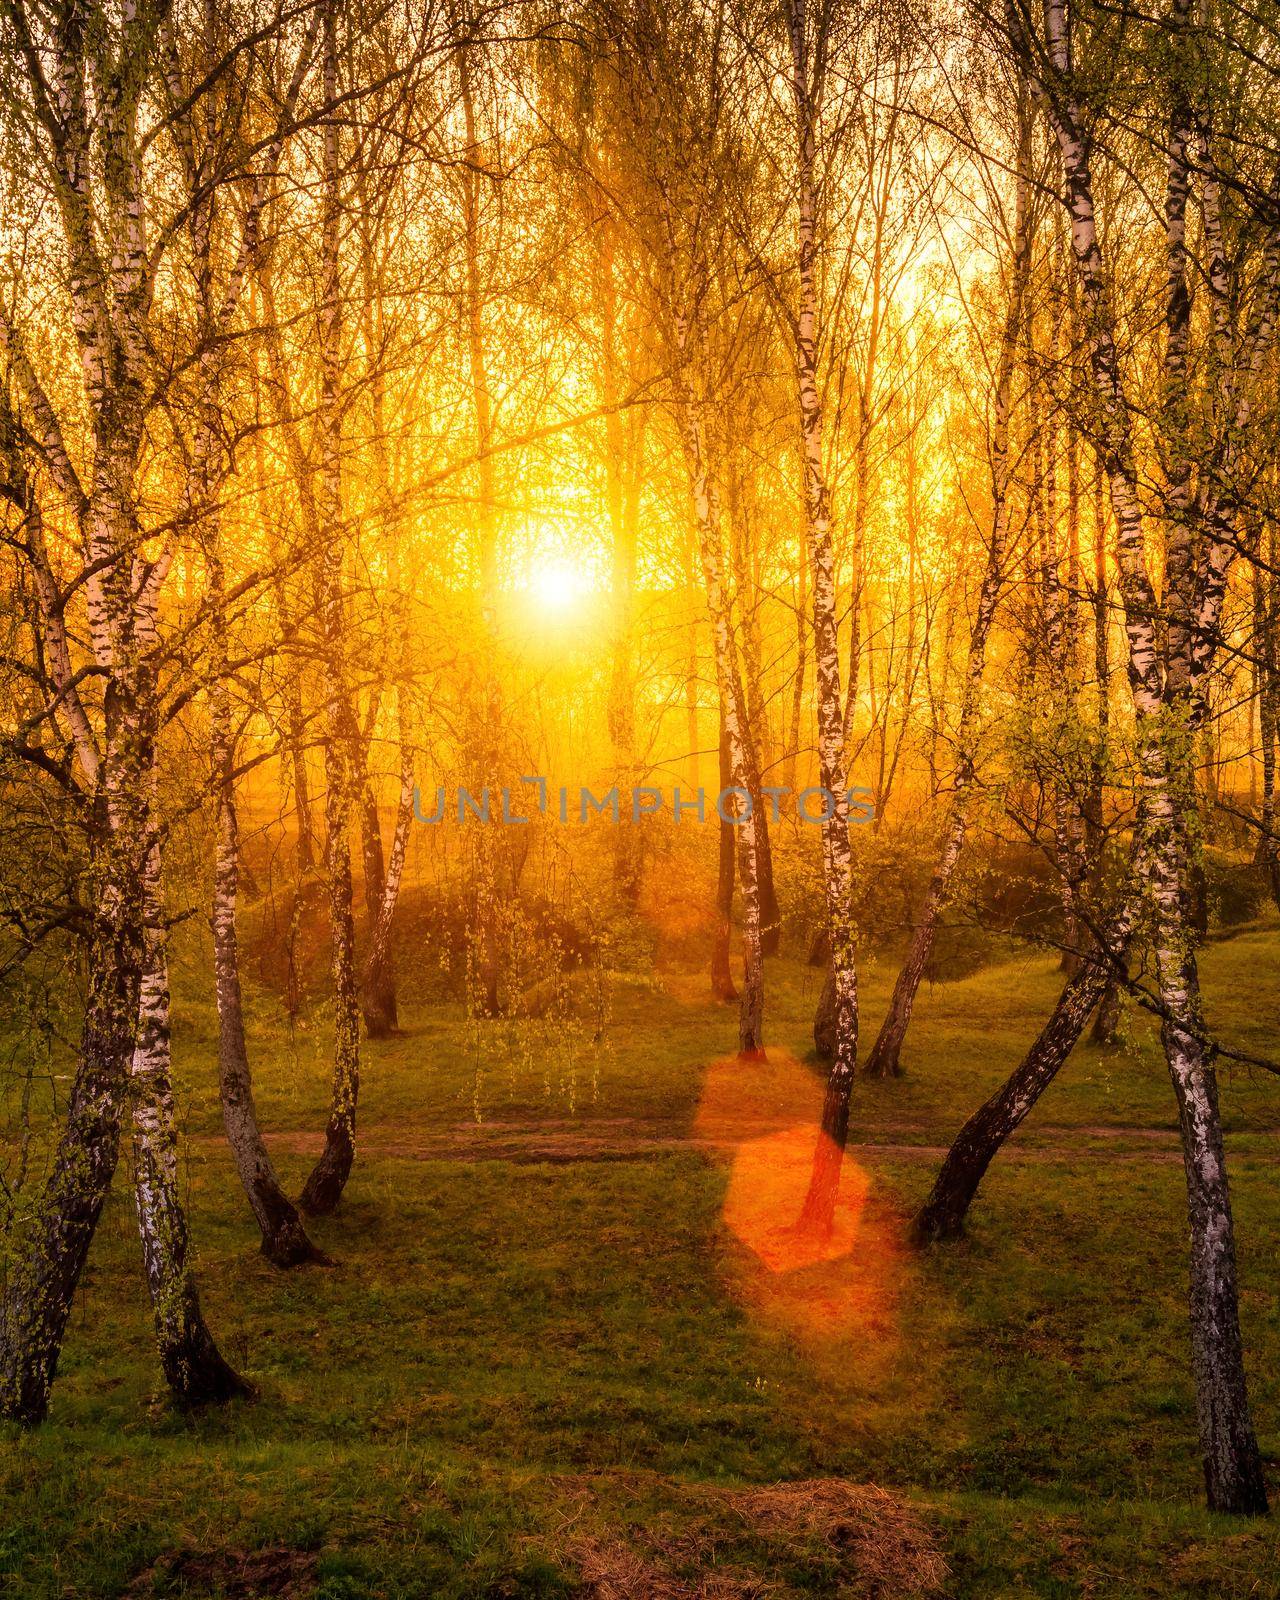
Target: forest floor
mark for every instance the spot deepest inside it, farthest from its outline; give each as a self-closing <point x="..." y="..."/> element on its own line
<point x="572" y="1346"/>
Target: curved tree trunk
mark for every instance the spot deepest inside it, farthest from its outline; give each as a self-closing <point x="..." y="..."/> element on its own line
<point x="976" y="1145"/>
<point x="284" y="1240"/>
<point x="884" y="1059"/>
<point x="41" y="1285"/>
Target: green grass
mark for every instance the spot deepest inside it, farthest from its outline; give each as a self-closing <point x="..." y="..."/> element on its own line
<point x="510" y="1354"/>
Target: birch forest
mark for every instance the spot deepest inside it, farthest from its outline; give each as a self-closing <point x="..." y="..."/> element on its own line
<point x="639" y="830"/>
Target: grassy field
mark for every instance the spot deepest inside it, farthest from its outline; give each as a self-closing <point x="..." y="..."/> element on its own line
<point x="570" y="1340"/>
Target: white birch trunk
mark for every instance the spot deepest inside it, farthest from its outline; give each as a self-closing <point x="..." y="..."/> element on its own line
<point x="1233" y="1471"/>
<point x="837" y="869"/>
<point x="328" y="1178"/>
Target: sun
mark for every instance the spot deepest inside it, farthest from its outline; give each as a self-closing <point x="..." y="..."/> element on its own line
<point x="558" y="586"/>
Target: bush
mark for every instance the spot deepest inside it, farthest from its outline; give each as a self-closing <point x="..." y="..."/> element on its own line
<point x="1236" y="891"/>
<point x="959" y="950"/>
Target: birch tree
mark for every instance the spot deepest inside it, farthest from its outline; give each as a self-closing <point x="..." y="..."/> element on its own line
<point x="811" y="30"/>
<point x="100" y="132"/>
<point x="1166" y="674"/>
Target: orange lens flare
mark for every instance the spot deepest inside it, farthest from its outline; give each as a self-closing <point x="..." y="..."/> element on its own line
<point x="765" y="1119"/>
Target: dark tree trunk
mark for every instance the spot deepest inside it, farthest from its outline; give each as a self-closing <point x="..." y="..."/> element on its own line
<point x="295" y="744"/>
<point x="824" y="1018"/>
<point x="817" y="1215"/>
<point x="883" y="1061"/>
<point x="284" y="1239"/>
<point x="194" y="1367"/>
<point x="976" y="1145"/>
<point x="378" y="981"/>
<point x="722" y="985"/>
<point x="1267" y="670"/>
<point x="624" y="446"/>
<point x="770" y="914"/>
<point x="380" y="960"/>
<point x="707" y="513"/>
<point x="792" y="733"/>
<point x="1106" y="1019"/>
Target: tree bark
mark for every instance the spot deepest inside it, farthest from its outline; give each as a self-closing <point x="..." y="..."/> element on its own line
<point x="42" y="1281"/>
<point x="976" y="1145"/>
<point x="1232" y="1462"/>
<point x="324" y="1186"/>
<point x="721" y="969"/>
<point x="754" y="729"/>
<point x="1265" y="621"/>
<point x="284" y="1239"/>
<point x="1167" y="686"/>
<point x="192" y="1364"/>
<point x="382" y="1022"/>
<point x="797" y="682"/>
<point x="807" y="52"/>
<point x="378" y="1003"/>
<point x="1106" y="1019"/>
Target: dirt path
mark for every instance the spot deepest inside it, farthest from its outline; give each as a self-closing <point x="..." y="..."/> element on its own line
<point x="562" y="1142"/>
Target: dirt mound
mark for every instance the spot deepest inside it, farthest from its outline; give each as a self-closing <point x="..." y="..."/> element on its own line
<point x="614" y="1570"/>
<point x="884" y="1541"/>
<point x="873" y="1544"/>
<point x="274" y="1570"/>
